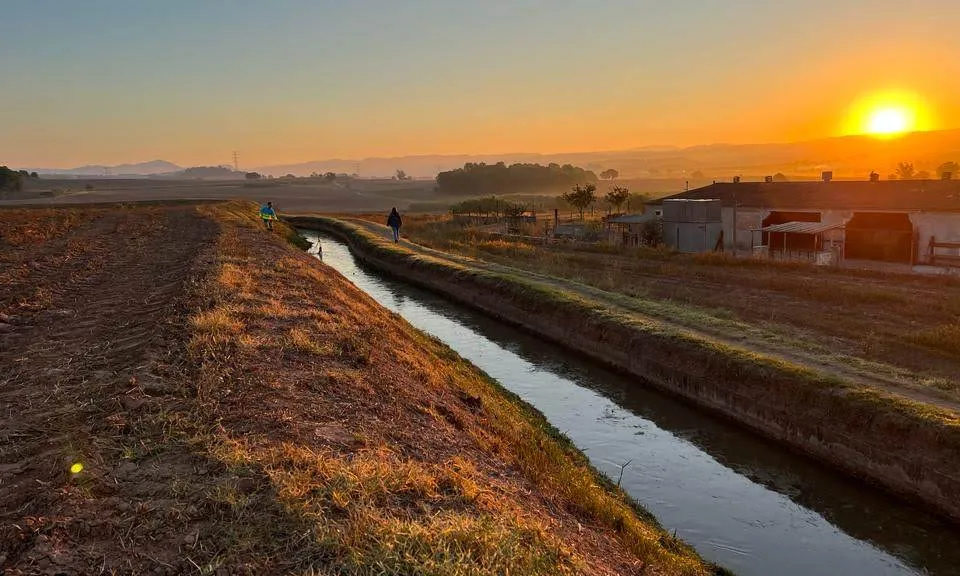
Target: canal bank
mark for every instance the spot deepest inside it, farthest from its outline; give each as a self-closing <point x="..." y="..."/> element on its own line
<point x="742" y="501"/>
<point x="906" y="447"/>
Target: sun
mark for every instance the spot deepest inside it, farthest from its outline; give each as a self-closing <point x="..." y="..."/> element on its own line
<point x="889" y="114"/>
<point x="889" y="121"/>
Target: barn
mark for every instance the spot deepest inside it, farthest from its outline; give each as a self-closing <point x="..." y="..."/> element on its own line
<point x="895" y="221"/>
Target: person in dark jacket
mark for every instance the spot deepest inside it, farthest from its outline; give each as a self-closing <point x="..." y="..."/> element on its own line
<point x="395" y="222"/>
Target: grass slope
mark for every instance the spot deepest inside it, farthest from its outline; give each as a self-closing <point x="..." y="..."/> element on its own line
<point x="239" y="408"/>
<point x="386" y="452"/>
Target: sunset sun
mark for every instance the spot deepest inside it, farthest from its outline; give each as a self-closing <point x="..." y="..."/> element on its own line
<point x="889" y="114"/>
<point x="889" y="121"/>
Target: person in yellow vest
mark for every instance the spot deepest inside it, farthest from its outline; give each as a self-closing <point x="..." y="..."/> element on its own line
<point x="268" y="215"/>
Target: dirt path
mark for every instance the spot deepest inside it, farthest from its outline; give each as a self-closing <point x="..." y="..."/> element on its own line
<point x="91" y="339"/>
<point x="874" y="375"/>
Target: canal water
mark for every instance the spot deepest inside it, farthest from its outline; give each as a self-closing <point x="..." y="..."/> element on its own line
<point x="742" y="502"/>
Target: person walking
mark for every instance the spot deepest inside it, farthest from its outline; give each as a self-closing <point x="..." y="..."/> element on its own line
<point x="268" y="215"/>
<point x="395" y="222"/>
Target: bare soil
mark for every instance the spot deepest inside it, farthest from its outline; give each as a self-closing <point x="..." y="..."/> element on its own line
<point x="90" y="349"/>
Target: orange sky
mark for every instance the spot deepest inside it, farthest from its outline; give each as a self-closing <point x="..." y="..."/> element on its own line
<point x="110" y="82"/>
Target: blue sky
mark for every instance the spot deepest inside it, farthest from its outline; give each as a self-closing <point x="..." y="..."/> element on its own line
<point x="112" y="81"/>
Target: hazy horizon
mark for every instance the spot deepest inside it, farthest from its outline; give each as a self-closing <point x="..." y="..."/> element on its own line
<point x="110" y="82"/>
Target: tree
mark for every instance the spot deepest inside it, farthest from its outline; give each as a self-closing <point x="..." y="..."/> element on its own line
<point x="252" y="176"/>
<point x="580" y="197"/>
<point x="610" y="174"/>
<point x="514" y="209"/>
<point x="906" y="171"/>
<point x="34" y="175"/>
<point x="330" y="176"/>
<point x="951" y="168"/>
<point x="780" y="177"/>
<point x="10" y="179"/>
<point x="651" y="233"/>
<point x="401" y="175"/>
<point x="617" y="197"/>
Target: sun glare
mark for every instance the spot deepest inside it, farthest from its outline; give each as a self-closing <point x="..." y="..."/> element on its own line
<point x="889" y="121"/>
<point x="889" y="114"/>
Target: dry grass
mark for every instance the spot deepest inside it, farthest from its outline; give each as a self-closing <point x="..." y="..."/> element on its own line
<point x="945" y="337"/>
<point x="26" y="227"/>
<point x="385" y="451"/>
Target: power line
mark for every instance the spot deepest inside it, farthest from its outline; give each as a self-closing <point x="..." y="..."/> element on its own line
<point x="236" y="161"/>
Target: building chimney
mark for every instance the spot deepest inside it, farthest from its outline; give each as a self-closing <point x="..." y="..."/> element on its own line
<point x="827" y="176"/>
<point x="874" y="177"/>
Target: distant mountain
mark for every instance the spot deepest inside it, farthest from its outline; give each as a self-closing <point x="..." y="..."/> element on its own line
<point x="142" y="169"/>
<point x="847" y="157"/>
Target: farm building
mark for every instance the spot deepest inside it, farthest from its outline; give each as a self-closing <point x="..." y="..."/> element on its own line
<point x="898" y="221"/>
<point x="692" y="224"/>
<point x="631" y="229"/>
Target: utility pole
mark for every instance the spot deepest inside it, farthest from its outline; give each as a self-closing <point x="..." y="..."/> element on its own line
<point x="236" y="161"/>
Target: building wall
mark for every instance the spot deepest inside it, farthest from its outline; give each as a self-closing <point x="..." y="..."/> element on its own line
<point x="945" y="226"/>
<point x="692" y="236"/>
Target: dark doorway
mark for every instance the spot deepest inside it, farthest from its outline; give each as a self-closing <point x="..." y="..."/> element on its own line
<point x="883" y="236"/>
<point x="792" y="242"/>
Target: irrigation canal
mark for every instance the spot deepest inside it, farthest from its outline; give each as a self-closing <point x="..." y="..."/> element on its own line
<point x="741" y="501"/>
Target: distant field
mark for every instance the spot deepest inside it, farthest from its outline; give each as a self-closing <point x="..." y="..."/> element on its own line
<point x="288" y="196"/>
<point x="301" y="195"/>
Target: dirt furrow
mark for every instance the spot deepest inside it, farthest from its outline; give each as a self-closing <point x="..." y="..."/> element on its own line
<point x="68" y="367"/>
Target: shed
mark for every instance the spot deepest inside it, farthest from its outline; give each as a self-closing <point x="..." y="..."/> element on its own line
<point x="630" y="228"/>
<point x="803" y="239"/>
<point x="693" y="225"/>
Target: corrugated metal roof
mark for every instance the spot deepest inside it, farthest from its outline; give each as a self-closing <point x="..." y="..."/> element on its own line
<point x="802" y="227"/>
<point x="883" y="196"/>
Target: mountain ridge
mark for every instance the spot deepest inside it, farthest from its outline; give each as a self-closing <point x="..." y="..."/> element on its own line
<point x="846" y="156"/>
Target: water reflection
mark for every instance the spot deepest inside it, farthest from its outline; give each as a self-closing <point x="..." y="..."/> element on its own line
<point x="740" y="500"/>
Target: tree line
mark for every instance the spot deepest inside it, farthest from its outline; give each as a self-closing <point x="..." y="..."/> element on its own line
<point x="480" y="178"/>
<point x="907" y="171"/>
<point x="13" y="179"/>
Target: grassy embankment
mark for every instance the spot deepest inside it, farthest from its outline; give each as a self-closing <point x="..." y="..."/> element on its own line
<point x="908" y="446"/>
<point x="387" y="452"/>
<point x="269" y="419"/>
<point x="905" y="328"/>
